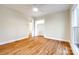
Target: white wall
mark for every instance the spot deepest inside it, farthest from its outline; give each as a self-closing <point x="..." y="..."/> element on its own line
<point x="57" y="25"/>
<point x="13" y="25"/>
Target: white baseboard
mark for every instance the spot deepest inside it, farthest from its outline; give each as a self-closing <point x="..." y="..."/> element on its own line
<point x="1" y="43"/>
<point x="75" y="50"/>
<point x="56" y="39"/>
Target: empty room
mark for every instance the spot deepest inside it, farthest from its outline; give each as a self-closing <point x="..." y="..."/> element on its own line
<point x="39" y="29"/>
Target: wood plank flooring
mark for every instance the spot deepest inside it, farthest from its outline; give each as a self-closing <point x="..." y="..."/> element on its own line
<point x="36" y="46"/>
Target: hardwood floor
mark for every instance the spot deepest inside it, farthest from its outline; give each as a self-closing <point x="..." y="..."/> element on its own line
<point x="36" y="46"/>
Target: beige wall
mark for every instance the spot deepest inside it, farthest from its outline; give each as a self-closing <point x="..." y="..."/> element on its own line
<point x="13" y="25"/>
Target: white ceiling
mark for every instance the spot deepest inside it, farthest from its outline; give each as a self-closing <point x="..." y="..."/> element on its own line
<point x="50" y="8"/>
<point x="26" y="9"/>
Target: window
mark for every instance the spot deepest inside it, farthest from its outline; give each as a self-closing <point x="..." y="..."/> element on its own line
<point x="75" y="25"/>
